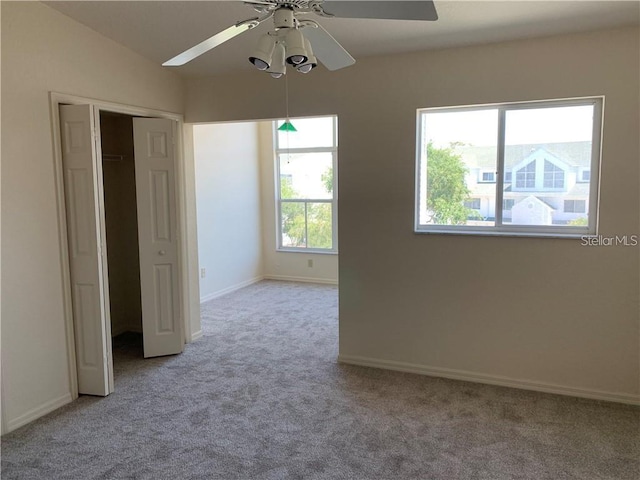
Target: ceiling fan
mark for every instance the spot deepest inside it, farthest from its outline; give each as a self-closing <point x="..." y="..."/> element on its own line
<point x="300" y="42"/>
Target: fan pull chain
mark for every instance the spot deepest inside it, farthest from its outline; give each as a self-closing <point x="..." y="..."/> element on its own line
<point x="286" y="103"/>
<point x="286" y="94"/>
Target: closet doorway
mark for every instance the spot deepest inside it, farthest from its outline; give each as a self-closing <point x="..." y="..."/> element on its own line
<point x="119" y="183"/>
<point x="121" y="228"/>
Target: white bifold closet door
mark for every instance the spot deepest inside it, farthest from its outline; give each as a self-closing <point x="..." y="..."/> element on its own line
<point x="79" y="129"/>
<point x="155" y="157"/>
<point x="157" y="242"/>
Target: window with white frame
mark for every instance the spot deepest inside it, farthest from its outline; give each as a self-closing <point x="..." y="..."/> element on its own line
<point x="488" y="177"/>
<point x="540" y="151"/>
<point x="306" y="196"/>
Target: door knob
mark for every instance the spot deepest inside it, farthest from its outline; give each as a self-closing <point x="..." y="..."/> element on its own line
<point x="161" y="252"/>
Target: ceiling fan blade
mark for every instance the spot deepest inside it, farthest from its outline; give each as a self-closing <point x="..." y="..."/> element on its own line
<point x="212" y="42"/>
<point x="391" y="10"/>
<point x="327" y="49"/>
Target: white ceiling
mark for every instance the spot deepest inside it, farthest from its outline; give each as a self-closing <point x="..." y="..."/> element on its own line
<point x="159" y="30"/>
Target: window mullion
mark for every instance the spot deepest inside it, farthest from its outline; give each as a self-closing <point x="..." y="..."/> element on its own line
<point x="500" y="167"/>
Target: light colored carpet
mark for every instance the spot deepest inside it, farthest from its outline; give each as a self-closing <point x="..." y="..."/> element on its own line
<point x="262" y="397"/>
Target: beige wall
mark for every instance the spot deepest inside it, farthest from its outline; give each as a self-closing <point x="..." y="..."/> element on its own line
<point x="44" y="51"/>
<point x="228" y="204"/>
<point x="539" y="313"/>
<point x="286" y="265"/>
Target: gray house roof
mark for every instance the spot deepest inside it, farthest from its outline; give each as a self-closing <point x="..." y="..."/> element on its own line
<point x="576" y="154"/>
<point x="532" y="198"/>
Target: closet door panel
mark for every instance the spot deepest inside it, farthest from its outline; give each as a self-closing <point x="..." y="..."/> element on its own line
<point x="157" y="236"/>
<point x="86" y="252"/>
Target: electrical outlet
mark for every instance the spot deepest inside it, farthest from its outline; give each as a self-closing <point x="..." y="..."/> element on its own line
<point x="203" y="272"/>
<point x="310" y="263"/>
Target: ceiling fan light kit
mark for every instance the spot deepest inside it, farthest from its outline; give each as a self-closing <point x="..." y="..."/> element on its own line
<point x="312" y="61"/>
<point x="262" y="55"/>
<point x="278" y="66"/>
<point x="291" y="41"/>
<point x="294" y="45"/>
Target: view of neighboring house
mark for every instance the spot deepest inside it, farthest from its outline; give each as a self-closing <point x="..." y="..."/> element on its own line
<point x="544" y="184"/>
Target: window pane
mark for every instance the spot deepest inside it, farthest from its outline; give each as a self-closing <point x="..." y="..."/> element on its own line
<point x="306" y="175"/>
<point x="459" y="155"/>
<point x="311" y="132"/>
<point x="293" y="224"/>
<point x="546" y="151"/>
<point x="319" y="225"/>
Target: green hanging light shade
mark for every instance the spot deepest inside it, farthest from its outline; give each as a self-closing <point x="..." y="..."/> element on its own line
<point x="287" y="126"/>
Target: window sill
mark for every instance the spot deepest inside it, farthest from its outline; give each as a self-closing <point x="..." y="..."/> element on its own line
<point x="306" y="251"/>
<point x="486" y="233"/>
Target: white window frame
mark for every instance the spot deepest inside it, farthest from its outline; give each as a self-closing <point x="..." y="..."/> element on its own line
<point x="280" y="150"/>
<point x="500" y="229"/>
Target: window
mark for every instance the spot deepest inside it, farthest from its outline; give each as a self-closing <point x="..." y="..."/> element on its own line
<point x="488" y="177"/>
<point x="553" y="175"/>
<point x="575" y="206"/>
<point x="541" y="152"/>
<point x="526" y="176"/>
<point x="306" y="185"/>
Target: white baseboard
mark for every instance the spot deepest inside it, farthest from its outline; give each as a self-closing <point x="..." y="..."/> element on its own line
<point x="230" y="289"/>
<point x="490" y="379"/>
<point x="195" y="336"/>
<point x="285" y="278"/>
<point x="38" y="412"/>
